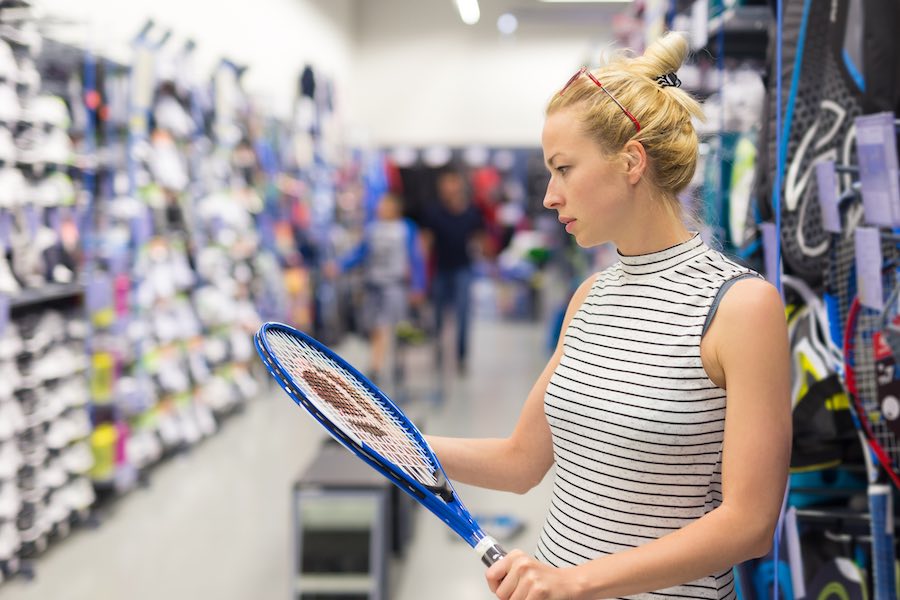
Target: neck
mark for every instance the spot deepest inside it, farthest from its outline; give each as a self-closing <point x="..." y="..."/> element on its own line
<point x="653" y="226"/>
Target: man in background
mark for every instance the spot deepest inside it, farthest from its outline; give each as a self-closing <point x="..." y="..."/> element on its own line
<point x="453" y="230"/>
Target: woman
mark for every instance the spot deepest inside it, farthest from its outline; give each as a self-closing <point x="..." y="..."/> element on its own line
<point x="663" y="479"/>
<point x="394" y="271"/>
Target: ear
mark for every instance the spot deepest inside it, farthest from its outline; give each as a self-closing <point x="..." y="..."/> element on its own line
<point x="635" y="161"/>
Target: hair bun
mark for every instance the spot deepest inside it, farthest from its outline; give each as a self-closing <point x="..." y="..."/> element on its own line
<point x="665" y="55"/>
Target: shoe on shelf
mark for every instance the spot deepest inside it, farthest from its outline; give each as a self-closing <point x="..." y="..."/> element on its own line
<point x="10" y="500"/>
<point x="10" y="461"/>
<point x="10" y="107"/>
<point x="47" y="109"/>
<point x="9" y="285"/>
<point x="9" y="541"/>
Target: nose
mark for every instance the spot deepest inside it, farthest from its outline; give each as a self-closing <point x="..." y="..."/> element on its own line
<point x="552" y="198"/>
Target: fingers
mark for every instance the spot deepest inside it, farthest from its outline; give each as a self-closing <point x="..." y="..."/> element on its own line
<point x="520" y="577"/>
<point x="498" y="571"/>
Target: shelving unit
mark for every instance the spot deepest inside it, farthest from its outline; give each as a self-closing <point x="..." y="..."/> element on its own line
<point x="343" y="526"/>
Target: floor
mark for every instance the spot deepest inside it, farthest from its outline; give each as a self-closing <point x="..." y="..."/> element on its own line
<point x="215" y="523"/>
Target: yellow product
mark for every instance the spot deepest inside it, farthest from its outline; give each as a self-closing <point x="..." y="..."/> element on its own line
<point x="103" y="446"/>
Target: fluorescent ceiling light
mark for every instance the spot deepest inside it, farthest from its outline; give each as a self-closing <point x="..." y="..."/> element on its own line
<point x="468" y="11"/>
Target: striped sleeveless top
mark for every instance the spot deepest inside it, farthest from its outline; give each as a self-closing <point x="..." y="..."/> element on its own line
<point x="637" y="424"/>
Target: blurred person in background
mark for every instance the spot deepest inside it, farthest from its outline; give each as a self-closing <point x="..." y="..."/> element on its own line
<point x="453" y="233"/>
<point x="390" y="255"/>
<point x="665" y="410"/>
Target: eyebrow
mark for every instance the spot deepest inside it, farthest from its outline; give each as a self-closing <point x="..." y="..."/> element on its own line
<point x="549" y="161"/>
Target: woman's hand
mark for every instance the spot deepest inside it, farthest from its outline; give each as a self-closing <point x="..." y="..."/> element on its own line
<point x="520" y="577"/>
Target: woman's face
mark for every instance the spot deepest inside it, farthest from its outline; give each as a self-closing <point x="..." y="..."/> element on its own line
<point x="588" y="191"/>
<point x="389" y="209"/>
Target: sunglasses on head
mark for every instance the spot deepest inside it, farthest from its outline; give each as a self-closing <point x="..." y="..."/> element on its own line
<point x="584" y="71"/>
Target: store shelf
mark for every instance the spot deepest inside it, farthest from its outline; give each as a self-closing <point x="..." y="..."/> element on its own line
<point x="52" y="292"/>
<point x="741" y="19"/>
<point x="335" y="584"/>
<point x="745" y="30"/>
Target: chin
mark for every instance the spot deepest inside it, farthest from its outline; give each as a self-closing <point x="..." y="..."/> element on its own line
<point x="586" y="242"/>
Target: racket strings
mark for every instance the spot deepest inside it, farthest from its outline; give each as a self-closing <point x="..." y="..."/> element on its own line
<point x="870" y="321"/>
<point x="351" y="405"/>
<point x="840" y="268"/>
<point x="890" y="322"/>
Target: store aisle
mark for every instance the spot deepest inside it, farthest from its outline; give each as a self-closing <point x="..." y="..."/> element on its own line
<point x="507" y="358"/>
<point x="212" y="524"/>
<point x="215" y="523"/>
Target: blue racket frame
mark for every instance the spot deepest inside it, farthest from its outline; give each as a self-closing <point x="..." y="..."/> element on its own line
<point x="441" y="500"/>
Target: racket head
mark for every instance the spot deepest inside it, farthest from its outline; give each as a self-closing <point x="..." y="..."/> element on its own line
<point x="356" y="413"/>
<point x="860" y="379"/>
<point x="353" y="409"/>
<point x="890" y="321"/>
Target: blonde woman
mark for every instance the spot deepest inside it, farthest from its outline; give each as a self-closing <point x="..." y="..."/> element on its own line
<point x="665" y="408"/>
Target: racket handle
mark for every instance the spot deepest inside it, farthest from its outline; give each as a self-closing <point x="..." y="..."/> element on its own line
<point x="489" y="551"/>
<point x="882" y="542"/>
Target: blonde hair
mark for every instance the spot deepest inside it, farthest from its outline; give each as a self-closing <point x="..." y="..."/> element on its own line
<point x="665" y="113"/>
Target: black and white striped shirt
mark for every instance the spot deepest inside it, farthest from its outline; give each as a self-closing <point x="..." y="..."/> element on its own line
<point x="637" y="424"/>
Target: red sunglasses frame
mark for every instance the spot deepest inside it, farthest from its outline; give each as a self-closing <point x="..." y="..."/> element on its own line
<point x="584" y="71"/>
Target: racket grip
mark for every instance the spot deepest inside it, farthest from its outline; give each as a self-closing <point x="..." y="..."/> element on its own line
<point x="489" y="550"/>
<point x="880" y="509"/>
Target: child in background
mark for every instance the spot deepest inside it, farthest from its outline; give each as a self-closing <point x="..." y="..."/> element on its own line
<point x="394" y="273"/>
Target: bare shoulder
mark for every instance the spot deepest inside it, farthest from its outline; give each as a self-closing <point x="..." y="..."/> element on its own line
<point x="747" y="341"/>
<point x="752" y="298"/>
<point x="751" y="322"/>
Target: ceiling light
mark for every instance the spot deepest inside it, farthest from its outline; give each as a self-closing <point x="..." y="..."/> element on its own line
<point x="507" y="24"/>
<point x="468" y="11"/>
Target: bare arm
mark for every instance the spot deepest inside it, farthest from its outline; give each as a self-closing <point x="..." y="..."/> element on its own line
<point x="752" y="350"/>
<point x="519" y="462"/>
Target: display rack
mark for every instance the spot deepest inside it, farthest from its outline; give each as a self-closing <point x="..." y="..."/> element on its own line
<point x="343" y="529"/>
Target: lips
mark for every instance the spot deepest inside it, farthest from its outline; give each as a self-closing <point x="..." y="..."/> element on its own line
<point x="568" y="222"/>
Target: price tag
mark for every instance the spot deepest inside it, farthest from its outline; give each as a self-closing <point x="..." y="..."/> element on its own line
<point x="143" y="75"/>
<point x="6" y="220"/>
<point x="867" y="242"/>
<point x="4" y="313"/>
<point x="770" y="252"/>
<point x="699" y="24"/>
<point x="142" y="227"/>
<point x="54" y="218"/>
<point x="826" y="177"/>
<point x="98" y="298"/>
<point x="216" y="225"/>
<point x="876" y="150"/>
<point x="31" y="220"/>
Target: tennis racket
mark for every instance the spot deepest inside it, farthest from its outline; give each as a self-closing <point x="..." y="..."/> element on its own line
<point x="860" y="377"/>
<point x="365" y="421"/>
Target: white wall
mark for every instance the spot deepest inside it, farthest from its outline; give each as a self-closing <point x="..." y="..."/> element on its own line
<point x="423" y="77"/>
<point x="275" y="37"/>
<point x="406" y="71"/>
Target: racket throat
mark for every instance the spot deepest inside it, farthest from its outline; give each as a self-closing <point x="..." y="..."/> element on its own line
<point x="489" y="550"/>
<point x="442" y="488"/>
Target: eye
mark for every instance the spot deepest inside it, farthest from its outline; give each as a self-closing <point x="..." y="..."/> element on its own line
<point x="562" y="169"/>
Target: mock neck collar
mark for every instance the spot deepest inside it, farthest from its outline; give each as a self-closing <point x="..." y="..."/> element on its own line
<point x="662" y="260"/>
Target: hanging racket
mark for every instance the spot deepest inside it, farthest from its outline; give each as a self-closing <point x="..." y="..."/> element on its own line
<point x="364" y="420"/>
<point x="860" y="340"/>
